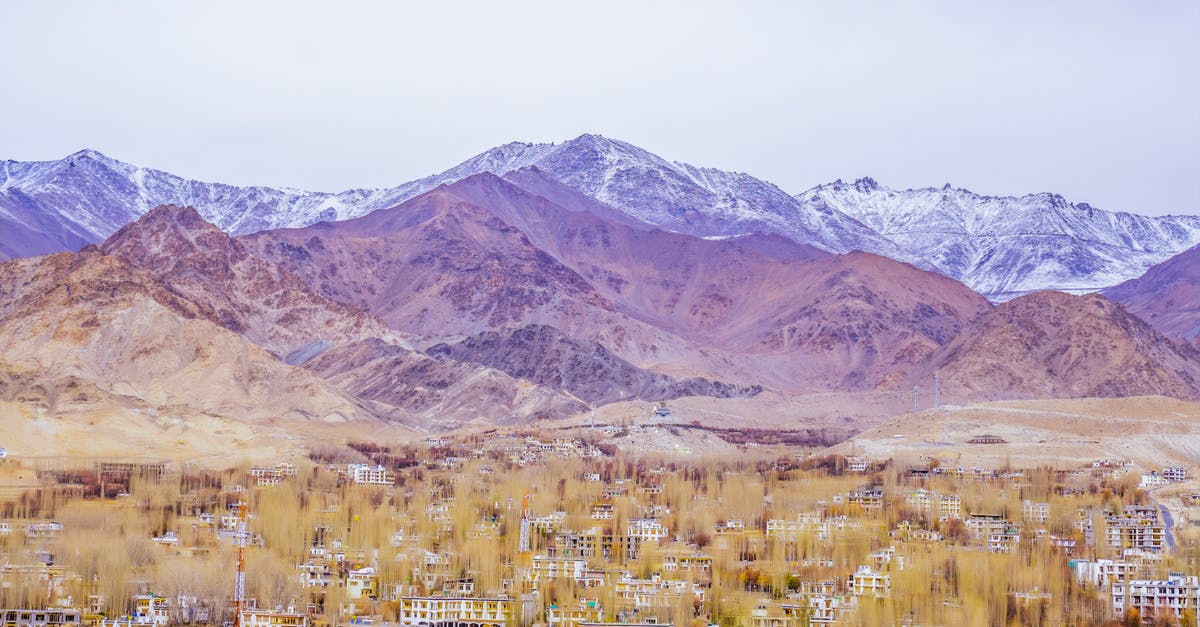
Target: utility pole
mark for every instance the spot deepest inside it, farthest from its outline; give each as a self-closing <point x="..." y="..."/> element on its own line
<point x="916" y="395"/>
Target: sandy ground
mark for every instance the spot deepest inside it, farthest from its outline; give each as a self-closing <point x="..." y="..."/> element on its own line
<point x="137" y="431"/>
<point x="1149" y="431"/>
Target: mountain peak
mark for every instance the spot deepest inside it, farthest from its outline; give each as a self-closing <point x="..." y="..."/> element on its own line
<point x="866" y="184"/>
<point x="97" y="156"/>
<point x="170" y="228"/>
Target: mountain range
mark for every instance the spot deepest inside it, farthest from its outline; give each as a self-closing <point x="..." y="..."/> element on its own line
<point x="999" y="246"/>
<point x="538" y="280"/>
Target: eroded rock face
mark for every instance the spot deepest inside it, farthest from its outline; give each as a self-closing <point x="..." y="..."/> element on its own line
<point x="587" y="370"/>
<point x="232" y="287"/>
<point x="1167" y="296"/>
<point x="96" y="319"/>
<point x="1055" y="345"/>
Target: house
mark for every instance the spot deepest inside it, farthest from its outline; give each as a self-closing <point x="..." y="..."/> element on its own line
<point x="730" y="527"/>
<point x="1155" y="599"/>
<point x="587" y="611"/>
<point x="365" y="474"/>
<point x="655" y="592"/>
<point x="434" y="611"/>
<point x="40" y="618"/>
<point x="646" y="530"/>
<point x="362" y="584"/>
<point x="1134" y="533"/>
<point x="1152" y="480"/>
<point x="868" y="498"/>
<point x="869" y="583"/>
<point x="265" y="618"/>
<point x="1174" y="474"/>
<point x="148" y="609"/>
<point x="1004" y="541"/>
<point x="826" y="609"/>
<point x="1036" y="512"/>
<point x="856" y="464"/>
<point x="546" y="568"/>
<point x="786" y="616"/>
<point x="1104" y="572"/>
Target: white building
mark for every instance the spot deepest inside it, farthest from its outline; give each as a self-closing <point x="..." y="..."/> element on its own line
<point x="647" y="530"/>
<point x="1153" y="599"/>
<point x="869" y="582"/>
<point x="1171" y="473"/>
<point x="426" y="611"/>
<point x="1036" y="512"/>
<point x="1152" y="480"/>
<point x="365" y="474"/>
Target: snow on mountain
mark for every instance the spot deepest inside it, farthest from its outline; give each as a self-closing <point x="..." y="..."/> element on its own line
<point x="88" y="196"/>
<point x="1006" y="246"/>
<point x="680" y="197"/>
<point x="1000" y="246"/>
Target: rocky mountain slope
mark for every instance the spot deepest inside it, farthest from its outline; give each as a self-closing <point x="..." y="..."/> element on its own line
<point x="97" y="319"/>
<point x="1055" y="345"/>
<point x="1006" y="246"/>
<point x="588" y="371"/>
<point x="438" y="393"/>
<point x="241" y="292"/>
<point x="483" y="254"/>
<point x="1167" y="296"/>
<point x="1000" y="246"/>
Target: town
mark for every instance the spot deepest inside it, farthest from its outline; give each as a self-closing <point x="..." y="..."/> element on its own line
<point x="506" y="527"/>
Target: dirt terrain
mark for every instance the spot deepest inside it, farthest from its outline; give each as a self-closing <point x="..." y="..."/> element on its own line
<point x="1151" y="431"/>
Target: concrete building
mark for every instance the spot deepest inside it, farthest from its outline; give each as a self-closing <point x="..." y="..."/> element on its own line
<point x="265" y="618"/>
<point x="454" y="612"/>
<point x="1156" y="599"/>
<point x="366" y="474"/>
<point x="40" y="618"/>
<point x="869" y="582"/>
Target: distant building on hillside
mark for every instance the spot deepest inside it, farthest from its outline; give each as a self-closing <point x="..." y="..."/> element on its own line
<point x="1155" y="599"/>
<point x="1171" y="473"/>
<point x="987" y="439"/>
<point x="40" y="618"/>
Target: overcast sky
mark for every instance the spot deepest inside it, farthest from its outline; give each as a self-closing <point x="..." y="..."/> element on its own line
<point x="1099" y="101"/>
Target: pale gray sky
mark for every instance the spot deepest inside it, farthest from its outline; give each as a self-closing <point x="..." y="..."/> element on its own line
<point x="1099" y="101"/>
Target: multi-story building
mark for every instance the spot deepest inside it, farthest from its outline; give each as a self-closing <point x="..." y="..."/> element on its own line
<point x="267" y="618"/>
<point x="431" y="611"/>
<point x="646" y="530"/>
<point x="40" y="618"/>
<point x="366" y="474"/>
<point x="1004" y="541"/>
<point x="362" y="584"/>
<point x="1134" y="533"/>
<point x="1152" y="480"/>
<point x="1174" y="474"/>
<point x="869" y="582"/>
<point x="545" y="568"/>
<point x="1036" y="512"/>
<point x="654" y="592"/>
<point x="1155" y="599"/>
<point x="1104" y="572"/>
<point x="869" y="498"/>
<point x="587" y="611"/>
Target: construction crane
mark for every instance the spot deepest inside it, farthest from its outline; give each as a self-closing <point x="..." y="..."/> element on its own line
<point x="239" y="586"/>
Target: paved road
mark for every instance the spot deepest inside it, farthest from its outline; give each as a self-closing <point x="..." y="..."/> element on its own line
<point x="1169" y="524"/>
